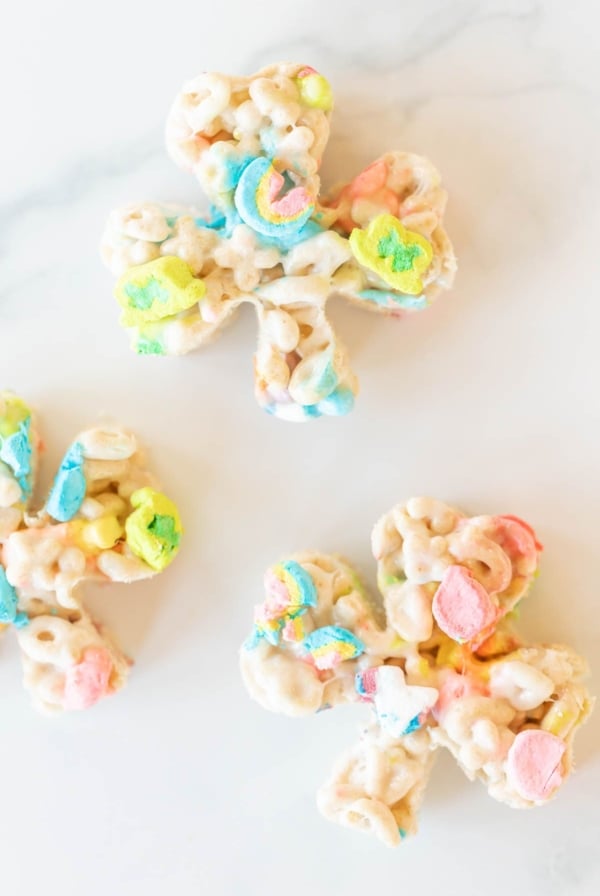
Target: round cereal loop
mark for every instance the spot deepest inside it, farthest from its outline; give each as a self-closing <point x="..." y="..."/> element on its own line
<point x="378" y="785"/>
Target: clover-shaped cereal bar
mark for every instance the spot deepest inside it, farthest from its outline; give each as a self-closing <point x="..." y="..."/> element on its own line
<point x="436" y="659"/>
<point x="103" y="521"/>
<point x="255" y="144"/>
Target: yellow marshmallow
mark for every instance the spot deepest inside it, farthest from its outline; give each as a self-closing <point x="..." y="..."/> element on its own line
<point x="99" y="534"/>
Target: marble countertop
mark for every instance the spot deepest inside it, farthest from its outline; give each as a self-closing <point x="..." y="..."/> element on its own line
<point x="489" y="400"/>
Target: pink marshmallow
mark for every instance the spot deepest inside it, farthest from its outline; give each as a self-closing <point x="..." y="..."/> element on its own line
<point x="327" y="661"/>
<point x="278" y="597"/>
<point x="292" y="203"/>
<point x="307" y="70"/>
<point x="369" y="684"/>
<point x="453" y="687"/>
<point x="516" y="537"/>
<point x="389" y="200"/>
<point x="461" y="606"/>
<point x="368" y="181"/>
<point x="88" y="681"/>
<point x="533" y="764"/>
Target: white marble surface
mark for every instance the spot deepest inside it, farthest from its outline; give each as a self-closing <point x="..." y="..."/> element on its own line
<point x="490" y="400"/>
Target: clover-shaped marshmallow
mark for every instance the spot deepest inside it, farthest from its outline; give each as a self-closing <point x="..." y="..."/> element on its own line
<point x="436" y="660"/>
<point x="255" y="144"/>
<point x="103" y="520"/>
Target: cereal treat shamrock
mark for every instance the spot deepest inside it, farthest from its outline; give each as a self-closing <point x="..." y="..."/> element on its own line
<point x="102" y="521"/>
<point x="255" y="144"/>
<point x="436" y="659"/>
